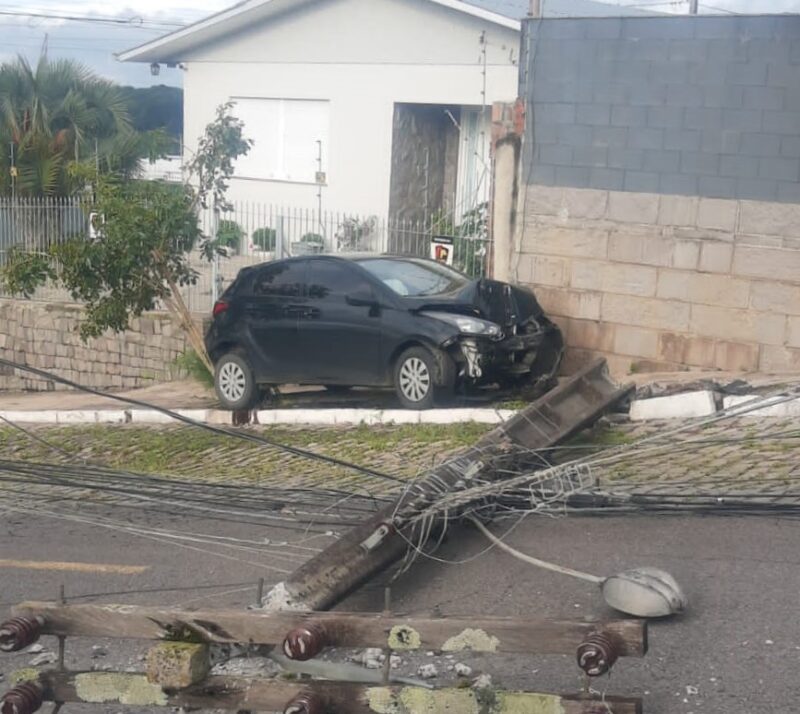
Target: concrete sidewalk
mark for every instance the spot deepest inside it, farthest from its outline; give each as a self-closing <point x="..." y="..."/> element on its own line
<point x="315" y="406"/>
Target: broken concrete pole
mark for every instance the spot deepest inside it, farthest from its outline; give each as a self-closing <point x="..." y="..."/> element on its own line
<point x="366" y="550"/>
<point x="262" y="694"/>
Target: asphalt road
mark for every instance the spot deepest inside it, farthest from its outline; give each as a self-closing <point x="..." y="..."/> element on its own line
<point x="735" y="650"/>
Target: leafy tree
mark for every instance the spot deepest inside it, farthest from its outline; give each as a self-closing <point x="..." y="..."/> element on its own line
<point x="54" y="115"/>
<point x="59" y="114"/>
<point x="157" y="108"/>
<point x="139" y="257"/>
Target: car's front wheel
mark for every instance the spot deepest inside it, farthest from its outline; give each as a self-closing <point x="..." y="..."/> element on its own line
<point x="234" y="382"/>
<point x="414" y="376"/>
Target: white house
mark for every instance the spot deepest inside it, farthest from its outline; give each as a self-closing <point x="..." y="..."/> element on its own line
<point x="376" y="107"/>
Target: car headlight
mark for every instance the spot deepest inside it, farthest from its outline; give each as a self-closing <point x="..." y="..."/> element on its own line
<point x="468" y="325"/>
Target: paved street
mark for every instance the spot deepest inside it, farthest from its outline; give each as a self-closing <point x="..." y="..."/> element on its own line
<point x="733" y="650"/>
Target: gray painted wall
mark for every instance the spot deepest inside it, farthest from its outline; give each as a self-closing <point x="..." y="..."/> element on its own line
<point x="706" y="106"/>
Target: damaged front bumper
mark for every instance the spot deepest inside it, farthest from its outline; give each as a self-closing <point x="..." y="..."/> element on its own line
<point x="534" y="354"/>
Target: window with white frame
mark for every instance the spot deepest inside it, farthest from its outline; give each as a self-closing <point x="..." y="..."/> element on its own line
<point x="288" y="135"/>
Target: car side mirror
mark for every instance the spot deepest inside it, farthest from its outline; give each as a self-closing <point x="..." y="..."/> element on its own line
<point x="362" y="298"/>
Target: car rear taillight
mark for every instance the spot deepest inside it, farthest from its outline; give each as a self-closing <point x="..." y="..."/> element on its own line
<point x="220" y="306"/>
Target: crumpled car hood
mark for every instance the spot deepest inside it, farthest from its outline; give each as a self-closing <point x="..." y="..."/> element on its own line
<point x="491" y="300"/>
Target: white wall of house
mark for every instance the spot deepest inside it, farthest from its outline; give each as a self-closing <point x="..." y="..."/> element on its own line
<point x="359" y="56"/>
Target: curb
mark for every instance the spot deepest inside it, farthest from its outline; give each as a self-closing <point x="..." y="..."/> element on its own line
<point x="686" y="405"/>
<point x="266" y="417"/>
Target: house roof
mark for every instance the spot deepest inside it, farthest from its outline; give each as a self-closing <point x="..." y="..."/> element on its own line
<point x="506" y="13"/>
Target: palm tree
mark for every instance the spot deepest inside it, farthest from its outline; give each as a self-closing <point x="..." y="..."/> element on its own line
<point x="51" y="117"/>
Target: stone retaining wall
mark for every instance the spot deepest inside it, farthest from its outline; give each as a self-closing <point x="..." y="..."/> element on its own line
<point x="46" y="336"/>
<point x="666" y="282"/>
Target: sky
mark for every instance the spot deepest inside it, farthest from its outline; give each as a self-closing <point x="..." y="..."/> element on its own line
<point x="94" y="44"/>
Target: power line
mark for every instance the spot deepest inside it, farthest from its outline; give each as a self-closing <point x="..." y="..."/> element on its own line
<point x="244" y="436"/>
<point x="718" y="9"/>
<point x="133" y="22"/>
<point x="35" y="44"/>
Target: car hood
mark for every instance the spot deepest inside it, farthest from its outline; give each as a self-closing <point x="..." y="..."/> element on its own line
<point x="491" y="300"/>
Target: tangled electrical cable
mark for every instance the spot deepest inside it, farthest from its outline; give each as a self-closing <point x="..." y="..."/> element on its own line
<point x="245" y="436"/>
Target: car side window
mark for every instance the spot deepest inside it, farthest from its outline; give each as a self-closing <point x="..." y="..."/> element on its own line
<point x="281" y="279"/>
<point x="332" y="277"/>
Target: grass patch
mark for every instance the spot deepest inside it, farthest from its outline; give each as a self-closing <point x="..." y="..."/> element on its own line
<point x="190" y="452"/>
<point x="191" y="363"/>
<point x="603" y="436"/>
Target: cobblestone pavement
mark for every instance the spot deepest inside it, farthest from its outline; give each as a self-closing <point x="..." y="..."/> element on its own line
<point x="187" y="452"/>
<point x="760" y="454"/>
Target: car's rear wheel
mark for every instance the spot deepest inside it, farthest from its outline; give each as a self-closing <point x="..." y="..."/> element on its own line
<point x="414" y="377"/>
<point x="234" y="382"/>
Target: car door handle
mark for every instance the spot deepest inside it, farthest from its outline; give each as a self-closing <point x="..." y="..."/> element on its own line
<point x="302" y="312"/>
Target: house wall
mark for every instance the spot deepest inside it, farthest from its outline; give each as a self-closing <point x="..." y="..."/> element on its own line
<point x="45" y="336"/>
<point x="363" y="56"/>
<point x="660" y="222"/>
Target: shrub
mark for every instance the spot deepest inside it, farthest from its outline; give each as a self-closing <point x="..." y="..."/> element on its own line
<point x="312" y="238"/>
<point x="265" y="239"/>
<point x="229" y="235"/>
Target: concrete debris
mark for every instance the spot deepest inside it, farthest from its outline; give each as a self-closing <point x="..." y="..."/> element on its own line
<point x="98" y="651"/>
<point x="35" y="649"/>
<point x="678" y="406"/>
<point x="43" y="658"/>
<point x="660" y="389"/>
<point x="371" y="658"/>
<point x="428" y="671"/>
<point x="777" y="407"/>
<point x="463" y="670"/>
<point x="483" y="681"/>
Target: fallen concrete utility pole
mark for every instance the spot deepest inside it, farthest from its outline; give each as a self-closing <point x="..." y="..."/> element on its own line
<point x="328" y="629"/>
<point x="178" y="670"/>
<point x="272" y="695"/>
<point x="368" y="549"/>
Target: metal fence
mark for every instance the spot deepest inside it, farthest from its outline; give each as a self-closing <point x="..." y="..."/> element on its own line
<point x="253" y="233"/>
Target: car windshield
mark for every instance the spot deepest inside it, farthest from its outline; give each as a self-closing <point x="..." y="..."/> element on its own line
<point x="415" y="278"/>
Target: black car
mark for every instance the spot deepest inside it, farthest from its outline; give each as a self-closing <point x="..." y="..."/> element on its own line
<point x="375" y="321"/>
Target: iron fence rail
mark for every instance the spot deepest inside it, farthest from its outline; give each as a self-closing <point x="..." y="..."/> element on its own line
<point x="253" y="233"/>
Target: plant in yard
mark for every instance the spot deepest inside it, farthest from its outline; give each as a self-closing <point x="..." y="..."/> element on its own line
<point x="192" y="364"/>
<point x="139" y="257"/>
<point x="229" y="235"/>
<point x="312" y="238"/>
<point x="470" y="237"/>
<point x="265" y="239"/>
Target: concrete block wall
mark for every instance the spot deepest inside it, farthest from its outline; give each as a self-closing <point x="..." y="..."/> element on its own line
<point x="661" y="189"/>
<point x="46" y="336"/>
<point x="664" y="282"/>
<point x="705" y="106"/>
